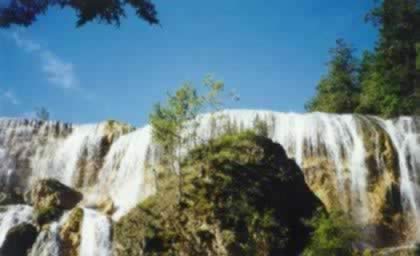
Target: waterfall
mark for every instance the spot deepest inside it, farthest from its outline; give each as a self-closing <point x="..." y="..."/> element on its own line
<point x="123" y="172"/>
<point x="107" y="162"/>
<point x="96" y="234"/>
<point x="60" y="160"/>
<point x="12" y="216"/>
<point x="341" y="139"/>
<point x="406" y="137"/>
<point x="6" y="168"/>
<point x="48" y="241"/>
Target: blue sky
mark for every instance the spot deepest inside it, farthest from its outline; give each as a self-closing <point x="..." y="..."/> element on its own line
<point x="272" y="53"/>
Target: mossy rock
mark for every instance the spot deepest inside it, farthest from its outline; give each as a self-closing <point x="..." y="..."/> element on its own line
<point x="70" y="233"/>
<point x="49" y="193"/>
<point x="19" y="240"/>
<point x="50" y="199"/>
<point x="241" y="196"/>
<point x="46" y="215"/>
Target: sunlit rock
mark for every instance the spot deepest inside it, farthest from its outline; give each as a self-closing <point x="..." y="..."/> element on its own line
<point x="70" y="233"/>
<point x="51" y="193"/>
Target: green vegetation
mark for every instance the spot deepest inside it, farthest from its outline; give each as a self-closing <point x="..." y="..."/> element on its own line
<point x="260" y="126"/>
<point x="338" y="91"/>
<point x="385" y="81"/>
<point x="24" y="13"/>
<point x="42" y="114"/>
<point x="217" y="216"/>
<point x="174" y="124"/>
<point x="334" y="234"/>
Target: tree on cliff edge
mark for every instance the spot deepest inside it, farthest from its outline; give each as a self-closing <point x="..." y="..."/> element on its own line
<point x="175" y="123"/>
<point x="25" y="12"/>
<point x="393" y="76"/>
<point x="338" y="91"/>
<point x="42" y="114"/>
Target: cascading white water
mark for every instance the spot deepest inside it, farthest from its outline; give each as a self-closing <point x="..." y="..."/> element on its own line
<point x="406" y="139"/>
<point x="30" y="150"/>
<point x="12" y="216"/>
<point x="123" y="172"/>
<point x="48" y="241"/>
<point x="96" y="234"/>
<point x="6" y="168"/>
<point x="59" y="160"/>
<point x="340" y="138"/>
<point x="305" y="136"/>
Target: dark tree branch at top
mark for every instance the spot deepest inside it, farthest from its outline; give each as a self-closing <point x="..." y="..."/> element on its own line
<point x="25" y="12"/>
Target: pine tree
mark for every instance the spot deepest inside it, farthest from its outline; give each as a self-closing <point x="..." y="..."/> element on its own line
<point x="338" y="91"/>
<point x="392" y="76"/>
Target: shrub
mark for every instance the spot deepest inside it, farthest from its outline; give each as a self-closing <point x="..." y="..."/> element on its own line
<point x="334" y="234"/>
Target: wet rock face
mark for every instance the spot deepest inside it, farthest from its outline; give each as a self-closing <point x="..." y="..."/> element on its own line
<point x="20" y="140"/>
<point x="19" y="240"/>
<point x="70" y="233"/>
<point x="90" y="165"/>
<point x="384" y="218"/>
<point x="10" y="198"/>
<point x="51" y="193"/>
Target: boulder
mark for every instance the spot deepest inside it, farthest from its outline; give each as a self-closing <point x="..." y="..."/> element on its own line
<point x="19" y="240"/>
<point x="50" y="199"/>
<point x="51" y="193"/>
<point x="241" y="195"/>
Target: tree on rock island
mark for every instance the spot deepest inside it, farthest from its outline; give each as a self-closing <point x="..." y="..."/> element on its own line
<point x="174" y="124"/>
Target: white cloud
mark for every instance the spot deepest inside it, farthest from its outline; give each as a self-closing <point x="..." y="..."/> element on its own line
<point x="59" y="72"/>
<point x="26" y="45"/>
<point x="10" y="97"/>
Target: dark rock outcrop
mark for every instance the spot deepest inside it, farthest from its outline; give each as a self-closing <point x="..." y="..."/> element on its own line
<point x="19" y="240"/>
<point x="7" y="198"/>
